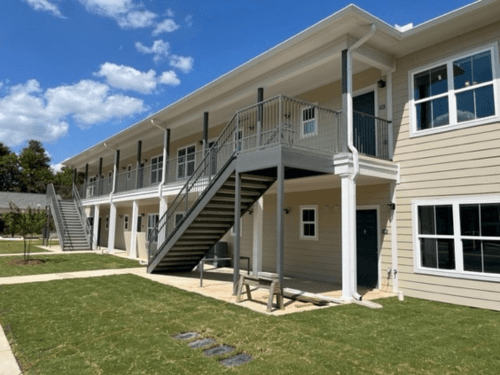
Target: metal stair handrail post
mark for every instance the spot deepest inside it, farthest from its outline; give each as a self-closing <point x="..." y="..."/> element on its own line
<point x="83" y="218"/>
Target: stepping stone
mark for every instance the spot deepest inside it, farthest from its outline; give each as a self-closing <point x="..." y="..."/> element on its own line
<point x="237" y="360"/>
<point x="218" y="350"/>
<point x="201" y="343"/>
<point x="186" y="336"/>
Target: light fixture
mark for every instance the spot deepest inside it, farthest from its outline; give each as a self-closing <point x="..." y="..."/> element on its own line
<point x="381" y="84"/>
<point x="143" y="214"/>
<point x="120" y="216"/>
<point x="287" y="210"/>
<point x="391" y="206"/>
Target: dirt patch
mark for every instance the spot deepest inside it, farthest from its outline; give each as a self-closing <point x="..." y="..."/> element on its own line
<point x="22" y="262"/>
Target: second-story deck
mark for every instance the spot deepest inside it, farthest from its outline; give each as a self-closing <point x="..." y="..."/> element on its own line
<point x="277" y="122"/>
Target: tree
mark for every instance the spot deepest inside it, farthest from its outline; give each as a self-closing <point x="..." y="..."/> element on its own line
<point x="26" y="223"/>
<point x="35" y="172"/>
<point x="9" y="169"/>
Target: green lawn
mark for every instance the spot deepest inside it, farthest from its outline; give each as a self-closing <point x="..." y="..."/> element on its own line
<point x="17" y="247"/>
<point x="123" y="325"/>
<point x="64" y="263"/>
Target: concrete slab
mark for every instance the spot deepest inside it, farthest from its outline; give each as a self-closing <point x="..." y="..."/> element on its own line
<point x="237" y="360"/>
<point x="8" y="363"/>
<point x="201" y="343"/>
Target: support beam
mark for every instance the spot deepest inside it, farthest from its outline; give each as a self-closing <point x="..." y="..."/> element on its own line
<point x="342" y="147"/>
<point x="346" y="184"/>
<point x="99" y="178"/>
<point x="86" y="174"/>
<point x="389" y="113"/>
<point x="237" y="232"/>
<point x="138" y="174"/>
<point x="112" y="228"/>
<point x="133" y="234"/>
<point x="260" y="115"/>
<point x="374" y="58"/>
<point x="166" y="161"/>
<point x="280" y="223"/>
<point x="258" y="230"/>
<point x="205" y="133"/>
<point x="116" y="169"/>
<point x="95" y="228"/>
<point x="75" y="173"/>
<point x="163" y="209"/>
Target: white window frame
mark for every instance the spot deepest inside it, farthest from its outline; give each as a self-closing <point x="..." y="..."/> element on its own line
<point x="129" y="172"/>
<point x="185" y="162"/>
<point x="106" y="223"/>
<point x="315" y="222"/>
<point x="126" y="222"/>
<point x="177" y="213"/>
<point x="158" y="175"/>
<point x="233" y="232"/>
<point x="316" y="123"/>
<point x="147" y="224"/>
<point x="459" y="271"/>
<point x="451" y="93"/>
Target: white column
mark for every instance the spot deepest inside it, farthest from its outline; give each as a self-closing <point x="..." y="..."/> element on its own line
<point x="346" y="248"/>
<point x="394" y="241"/>
<point x="258" y="230"/>
<point x="112" y="228"/>
<point x="163" y="210"/>
<point x="95" y="235"/>
<point x="133" y="235"/>
<point x="389" y="114"/>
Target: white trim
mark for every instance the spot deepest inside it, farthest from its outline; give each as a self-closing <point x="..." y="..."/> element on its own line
<point x="147" y="224"/>
<point x="450" y="94"/>
<point x="316" y="223"/>
<point x="158" y="176"/>
<point x="375" y="207"/>
<point x="177" y="178"/>
<point x="457" y="236"/>
<point x="126" y="222"/>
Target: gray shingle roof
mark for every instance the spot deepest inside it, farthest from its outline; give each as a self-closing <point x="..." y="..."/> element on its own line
<point x="22" y="200"/>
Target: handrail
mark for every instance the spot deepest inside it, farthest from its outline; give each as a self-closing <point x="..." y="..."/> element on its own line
<point x="239" y="130"/>
<point x="371" y="135"/>
<point x="54" y="206"/>
<point x="83" y="218"/>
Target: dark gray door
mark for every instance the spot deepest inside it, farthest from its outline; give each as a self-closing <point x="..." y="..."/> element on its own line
<point x="364" y="126"/>
<point x="367" y="248"/>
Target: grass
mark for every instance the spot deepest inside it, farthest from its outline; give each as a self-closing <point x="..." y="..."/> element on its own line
<point x="123" y="325"/>
<point x="64" y="263"/>
<point x="17" y="247"/>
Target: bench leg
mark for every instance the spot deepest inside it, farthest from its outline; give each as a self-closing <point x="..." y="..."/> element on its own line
<point x="240" y="289"/>
<point x="249" y="295"/>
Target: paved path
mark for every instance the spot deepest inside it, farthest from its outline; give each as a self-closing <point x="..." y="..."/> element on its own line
<point x="8" y="363"/>
<point x="32" y="255"/>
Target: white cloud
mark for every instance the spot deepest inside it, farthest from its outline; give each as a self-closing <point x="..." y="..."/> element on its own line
<point x="159" y="49"/>
<point x="45" y="6"/>
<point x="183" y="63"/>
<point x="127" y="78"/>
<point x="56" y="168"/>
<point x="167" y="26"/>
<point x="169" y="78"/>
<point x="189" y="20"/>
<point x="169" y="13"/>
<point x="137" y="19"/>
<point x="29" y="112"/>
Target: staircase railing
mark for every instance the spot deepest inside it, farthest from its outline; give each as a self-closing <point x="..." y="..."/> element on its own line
<point x="83" y="218"/>
<point x="371" y="135"/>
<point x="56" y="212"/>
<point x="277" y="121"/>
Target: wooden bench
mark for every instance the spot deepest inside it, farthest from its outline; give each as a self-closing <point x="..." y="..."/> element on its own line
<point x="270" y="283"/>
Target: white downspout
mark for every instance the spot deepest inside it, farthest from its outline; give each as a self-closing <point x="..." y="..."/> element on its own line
<point x="164" y="169"/>
<point x="355" y="156"/>
<point x="114" y="170"/>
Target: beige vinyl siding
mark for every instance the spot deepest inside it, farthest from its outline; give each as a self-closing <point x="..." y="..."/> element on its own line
<point x="321" y="259"/>
<point x="463" y="162"/>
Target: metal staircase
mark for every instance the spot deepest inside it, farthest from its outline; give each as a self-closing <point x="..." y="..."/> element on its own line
<point x="70" y="221"/>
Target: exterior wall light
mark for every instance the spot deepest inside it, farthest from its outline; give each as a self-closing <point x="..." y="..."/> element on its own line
<point x="391" y="206"/>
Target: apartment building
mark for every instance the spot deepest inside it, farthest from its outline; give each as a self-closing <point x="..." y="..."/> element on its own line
<point x="356" y="153"/>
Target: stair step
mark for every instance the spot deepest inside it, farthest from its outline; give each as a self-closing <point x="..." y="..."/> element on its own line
<point x="208" y="225"/>
<point x="195" y="242"/>
<point x="200" y="237"/>
<point x="217" y="213"/>
<point x="246" y="185"/>
<point x="205" y="231"/>
<point x="244" y="192"/>
<point x="210" y="218"/>
<point x="219" y="198"/>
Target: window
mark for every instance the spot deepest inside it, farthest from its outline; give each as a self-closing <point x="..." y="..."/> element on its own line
<point x="156" y="169"/>
<point x="125" y="222"/>
<point x="110" y="177"/>
<point x="309" y="222"/>
<point x="309" y="126"/>
<point x="186" y="158"/>
<point x="178" y="217"/>
<point x="459" y="237"/>
<point x="238" y="140"/>
<point x="106" y="223"/>
<point x="129" y="172"/>
<point x="152" y="224"/>
<point x="455" y="93"/>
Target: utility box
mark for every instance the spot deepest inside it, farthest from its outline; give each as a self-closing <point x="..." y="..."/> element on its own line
<point x="220" y="250"/>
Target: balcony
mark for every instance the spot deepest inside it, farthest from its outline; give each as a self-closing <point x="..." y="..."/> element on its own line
<point x="279" y="121"/>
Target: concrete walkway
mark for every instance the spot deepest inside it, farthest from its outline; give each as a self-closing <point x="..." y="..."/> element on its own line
<point x="8" y="363"/>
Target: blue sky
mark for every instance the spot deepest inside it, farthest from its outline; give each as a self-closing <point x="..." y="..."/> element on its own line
<point x="74" y="72"/>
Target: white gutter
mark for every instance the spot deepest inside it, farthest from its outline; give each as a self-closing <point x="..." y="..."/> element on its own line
<point x="355" y="156"/>
<point x="114" y="170"/>
<point x="164" y="168"/>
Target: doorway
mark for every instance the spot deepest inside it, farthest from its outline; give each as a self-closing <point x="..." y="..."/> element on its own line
<point x="367" y="247"/>
<point x="364" y="124"/>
